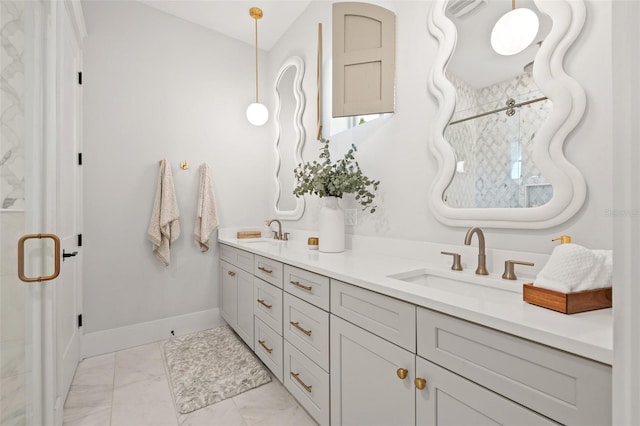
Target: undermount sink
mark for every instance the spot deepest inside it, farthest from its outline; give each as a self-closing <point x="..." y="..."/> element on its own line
<point x="463" y="283"/>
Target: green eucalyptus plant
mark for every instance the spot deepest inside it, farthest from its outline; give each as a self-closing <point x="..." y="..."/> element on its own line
<point x="326" y="179"/>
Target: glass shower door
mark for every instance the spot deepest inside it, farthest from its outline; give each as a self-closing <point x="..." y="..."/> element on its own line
<point x="21" y="212"/>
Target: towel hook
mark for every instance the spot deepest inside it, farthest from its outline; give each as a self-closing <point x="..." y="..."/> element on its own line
<point x="184" y="165"/>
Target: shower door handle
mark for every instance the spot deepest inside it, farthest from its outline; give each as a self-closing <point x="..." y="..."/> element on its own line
<point x="56" y="257"/>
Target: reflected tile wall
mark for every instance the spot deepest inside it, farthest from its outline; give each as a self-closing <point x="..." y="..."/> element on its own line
<point x="12" y="104"/>
<point x="486" y="145"/>
<point x="13" y="373"/>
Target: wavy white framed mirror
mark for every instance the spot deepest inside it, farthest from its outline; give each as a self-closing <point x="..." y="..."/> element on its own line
<point x="535" y="186"/>
<point x="290" y="137"/>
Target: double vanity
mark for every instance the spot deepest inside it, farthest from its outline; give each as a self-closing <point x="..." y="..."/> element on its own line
<point x="368" y="338"/>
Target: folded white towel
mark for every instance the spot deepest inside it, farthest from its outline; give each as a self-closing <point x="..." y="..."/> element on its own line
<point x="572" y="267"/>
<point x="206" y="214"/>
<point x="164" y="226"/>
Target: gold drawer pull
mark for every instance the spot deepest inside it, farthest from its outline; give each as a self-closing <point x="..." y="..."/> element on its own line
<point x="231" y="273"/>
<point x="263" y="269"/>
<point x="269" y="350"/>
<point x="297" y="325"/>
<point x="303" y="384"/>
<point x="420" y="383"/>
<point x="263" y="303"/>
<point x="302" y="286"/>
<point x="402" y="373"/>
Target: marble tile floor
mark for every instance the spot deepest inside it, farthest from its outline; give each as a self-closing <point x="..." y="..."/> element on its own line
<point x="131" y="388"/>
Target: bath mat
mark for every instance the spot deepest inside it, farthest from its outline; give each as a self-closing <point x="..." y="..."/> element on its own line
<point x="210" y="366"/>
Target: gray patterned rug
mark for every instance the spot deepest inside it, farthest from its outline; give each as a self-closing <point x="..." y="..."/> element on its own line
<point x="209" y="366"/>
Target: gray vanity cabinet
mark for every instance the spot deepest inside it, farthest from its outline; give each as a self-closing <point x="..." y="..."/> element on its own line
<point x="229" y="294"/>
<point x="373" y="341"/>
<point x="236" y="291"/>
<point x="236" y="294"/>
<point x="366" y="383"/>
<point x="352" y="356"/>
<point x="449" y="399"/>
<point x="564" y="387"/>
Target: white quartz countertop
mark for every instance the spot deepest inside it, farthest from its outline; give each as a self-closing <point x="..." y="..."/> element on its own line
<point x="588" y="334"/>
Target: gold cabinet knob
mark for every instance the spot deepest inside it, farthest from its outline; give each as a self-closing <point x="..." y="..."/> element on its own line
<point x="402" y="373"/>
<point x="420" y="383"/>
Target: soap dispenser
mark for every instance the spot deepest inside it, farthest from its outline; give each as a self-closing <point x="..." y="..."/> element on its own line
<point x="564" y="239"/>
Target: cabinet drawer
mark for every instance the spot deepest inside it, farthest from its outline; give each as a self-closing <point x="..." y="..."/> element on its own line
<point x="269" y="270"/>
<point x="389" y="318"/>
<point x="307" y="382"/>
<point x="307" y="286"/>
<point x="451" y="400"/>
<point x="267" y="304"/>
<point x="559" y="385"/>
<point x="307" y="328"/>
<point x="237" y="257"/>
<point x="268" y="347"/>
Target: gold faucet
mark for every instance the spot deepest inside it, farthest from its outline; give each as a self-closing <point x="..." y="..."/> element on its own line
<point x="276" y="235"/>
<point x="482" y="256"/>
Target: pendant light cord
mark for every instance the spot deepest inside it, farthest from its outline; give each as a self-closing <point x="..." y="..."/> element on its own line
<point x="256" y="19"/>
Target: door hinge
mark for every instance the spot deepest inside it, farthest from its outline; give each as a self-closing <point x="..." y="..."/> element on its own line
<point x="79" y="240"/>
<point x="79" y="320"/>
<point x="79" y="159"/>
<point x="80" y="78"/>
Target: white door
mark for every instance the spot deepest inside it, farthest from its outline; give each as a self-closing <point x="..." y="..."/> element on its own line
<point x="68" y="297"/>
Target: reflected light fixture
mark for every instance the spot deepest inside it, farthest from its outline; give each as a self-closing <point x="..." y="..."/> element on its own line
<point x="257" y="113"/>
<point x="514" y="31"/>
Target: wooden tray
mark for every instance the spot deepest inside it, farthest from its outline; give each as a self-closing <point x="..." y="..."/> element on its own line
<point x="567" y="303"/>
<point x="249" y="234"/>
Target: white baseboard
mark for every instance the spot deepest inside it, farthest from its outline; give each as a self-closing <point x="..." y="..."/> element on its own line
<point x="115" y="339"/>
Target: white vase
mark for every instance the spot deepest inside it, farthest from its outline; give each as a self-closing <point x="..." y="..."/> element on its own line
<point x="331" y="232"/>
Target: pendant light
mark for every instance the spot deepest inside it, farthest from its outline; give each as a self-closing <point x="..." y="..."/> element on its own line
<point x="514" y="31"/>
<point x="257" y="113"/>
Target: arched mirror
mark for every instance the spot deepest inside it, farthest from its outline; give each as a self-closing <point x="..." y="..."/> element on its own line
<point x="503" y="120"/>
<point x="290" y="137"/>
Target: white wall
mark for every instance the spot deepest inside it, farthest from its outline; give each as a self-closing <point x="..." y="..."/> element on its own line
<point x="156" y="86"/>
<point x="395" y="150"/>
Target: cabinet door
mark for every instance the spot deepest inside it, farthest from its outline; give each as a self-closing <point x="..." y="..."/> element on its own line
<point x="449" y="399"/>
<point x="365" y="386"/>
<point x="245" y="307"/>
<point x="229" y="293"/>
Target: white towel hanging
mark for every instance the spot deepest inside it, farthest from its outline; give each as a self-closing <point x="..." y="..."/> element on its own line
<point x="206" y="214"/>
<point x="164" y="225"/>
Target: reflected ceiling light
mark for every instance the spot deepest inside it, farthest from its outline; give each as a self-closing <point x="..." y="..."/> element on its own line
<point x="257" y="113"/>
<point x="514" y="31"/>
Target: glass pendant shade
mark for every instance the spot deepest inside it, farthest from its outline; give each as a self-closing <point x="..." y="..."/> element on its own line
<point x="257" y="114"/>
<point x="514" y="31"/>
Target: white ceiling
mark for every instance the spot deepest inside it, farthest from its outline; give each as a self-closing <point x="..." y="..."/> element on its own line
<point x="231" y="17"/>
